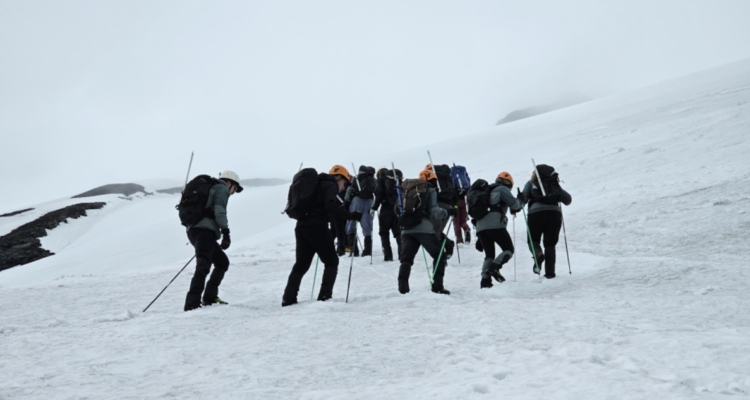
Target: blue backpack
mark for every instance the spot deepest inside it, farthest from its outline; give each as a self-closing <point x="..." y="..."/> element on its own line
<point x="460" y="177"/>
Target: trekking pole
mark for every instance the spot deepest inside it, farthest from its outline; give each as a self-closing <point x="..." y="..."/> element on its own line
<point x="565" y="235"/>
<point x="538" y="269"/>
<point x="514" y="247"/>
<point x="458" y="252"/>
<point x="440" y="255"/>
<point x="190" y="165"/>
<point x="434" y="171"/>
<point x="538" y="178"/>
<point x="427" y="266"/>
<point x="351" y="265"/>
<point x="170" y="282"/>
<point x="315" y="275"/>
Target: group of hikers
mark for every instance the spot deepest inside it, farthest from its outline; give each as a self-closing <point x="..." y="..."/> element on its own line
<point x="330" y="207"/>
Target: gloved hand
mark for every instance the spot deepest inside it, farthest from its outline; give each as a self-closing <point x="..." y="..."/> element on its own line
<point x="373" y="211"/>
<point x="226" y="241"/>
<point x="521" y="197"/>
<point x="346" y="205"/>
<point x="479" y="246"/>
<point x="474" y="221"/>
<point x="513" y="212"/>
<point x="357" y="216"/>
<point x="452" y="211"/>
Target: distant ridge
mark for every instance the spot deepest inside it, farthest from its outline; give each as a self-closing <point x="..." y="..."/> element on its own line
<point x="536" y="110"/>
<point x="254" y="182"/>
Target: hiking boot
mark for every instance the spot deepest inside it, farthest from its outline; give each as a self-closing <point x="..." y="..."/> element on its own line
<point x="440" y="290"/>
<point x="216" y="301"/>
<point x="367" y="251"/>
<point x="192" y="307"/>
<point x="285" y="303"/>
<point x="324" y="297"/>
<point x="467" y="234"/>
<point x="403" y="286"/>
<point x="550" y="276"/>
<point x="486" y="283"/>
<point x="449" y="246"/>
<point x="538" y="263"/>
<point x="387" y="254"/>
<point x="496" y="275"/>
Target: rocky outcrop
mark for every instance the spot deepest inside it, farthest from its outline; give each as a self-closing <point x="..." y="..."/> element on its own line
<point x="22" y="246"/>
<point x="10" y="214"/>
<point x="125" y="189"/>
<point x="246" y="183"/>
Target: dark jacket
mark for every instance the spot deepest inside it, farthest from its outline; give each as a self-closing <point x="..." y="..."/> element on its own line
<point x="327" y="205"/>
<point x="218" y="196"/>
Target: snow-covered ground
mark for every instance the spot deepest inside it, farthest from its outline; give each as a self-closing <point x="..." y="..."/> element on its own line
<point x="656" y="306"/>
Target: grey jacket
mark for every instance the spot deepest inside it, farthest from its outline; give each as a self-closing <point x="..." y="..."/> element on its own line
<point x="539" y="206"/>
<point x="502" y="197"/>
<point x="218" y="197"/>
<point x="436" y="212"/>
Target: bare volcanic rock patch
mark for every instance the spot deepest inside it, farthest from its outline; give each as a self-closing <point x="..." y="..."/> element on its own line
<point x="22" y="245"/>
<point x="10" y="214"/>
<point x="125" y="189"/>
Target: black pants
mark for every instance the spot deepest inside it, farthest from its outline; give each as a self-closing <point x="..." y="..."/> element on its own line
<point x="547" y="224"/>
<point x="388" y="223"/>
<point x="338" y="230"/>
<point x="490" y="237"/>
<point x="312" y="239"/>
<point x="207" y="252"/>
<point x="410" y="247"/>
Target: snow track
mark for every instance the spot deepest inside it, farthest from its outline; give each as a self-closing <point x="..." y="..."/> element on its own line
<point x="656" y="306"/>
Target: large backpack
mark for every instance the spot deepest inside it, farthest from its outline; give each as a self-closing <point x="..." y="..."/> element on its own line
<point x="460" y="177"/>
<point x="551" y="182"/>
<point x="366" y="183"/>
<point x="391" y="186"/>
<point x="478" y="199"/>
<point x="192" y="205"/>
<point x="302" y="194"/>
<point x="414" y="201"/>
<point x="447" y="190"/>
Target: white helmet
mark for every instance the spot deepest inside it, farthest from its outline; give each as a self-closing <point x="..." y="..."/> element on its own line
<point x="231" y="175"/>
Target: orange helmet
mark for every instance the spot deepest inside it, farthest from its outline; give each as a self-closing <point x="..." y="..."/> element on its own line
<point x="340" y="170"/>
<point x="426" y="175"/>
<point x="506" y="177"/>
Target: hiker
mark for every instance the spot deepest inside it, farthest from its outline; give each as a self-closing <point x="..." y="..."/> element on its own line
<point x="488" y="205"/>
<point x="338" y="224"/>
<point x="419" y="202"/>
<point x="440" y="223"/>
<point x="312" y="202"/>
<point x="386" y="195"/>
<point x="462" y="184"/>
<point x="545" y="216"/>
<point x="360" y="196"/>
<point x="212" y="226"/>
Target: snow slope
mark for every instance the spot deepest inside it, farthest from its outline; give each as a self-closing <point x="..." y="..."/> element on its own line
<point x="655" y="307"/>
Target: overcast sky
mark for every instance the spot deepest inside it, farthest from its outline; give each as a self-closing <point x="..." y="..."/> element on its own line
<point x="96" y="92"/>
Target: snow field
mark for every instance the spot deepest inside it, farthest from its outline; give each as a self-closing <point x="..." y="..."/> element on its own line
<point x="656" y="305"/>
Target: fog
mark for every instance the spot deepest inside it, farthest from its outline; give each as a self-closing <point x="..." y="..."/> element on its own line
<point x="97" y="92"/>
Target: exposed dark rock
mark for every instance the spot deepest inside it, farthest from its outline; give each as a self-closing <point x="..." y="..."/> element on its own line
<point x="10" y="214"/>
<point x="22" y="246"/>
<point x="532" y="111"/>
<point x="125" y="189"/>
<point x="246" y="183"/>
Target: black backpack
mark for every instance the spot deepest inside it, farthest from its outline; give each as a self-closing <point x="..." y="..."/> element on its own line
<point x="192" y="205"/>
<point x="478" y="199"/>
<point x="366" y="183"/>
<point x="391" y="186"/>
<point x="414" y="200"/>
<point x="302" y="194"/>
<point x="447" y="190"/>
<point x="551" y="182"/>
